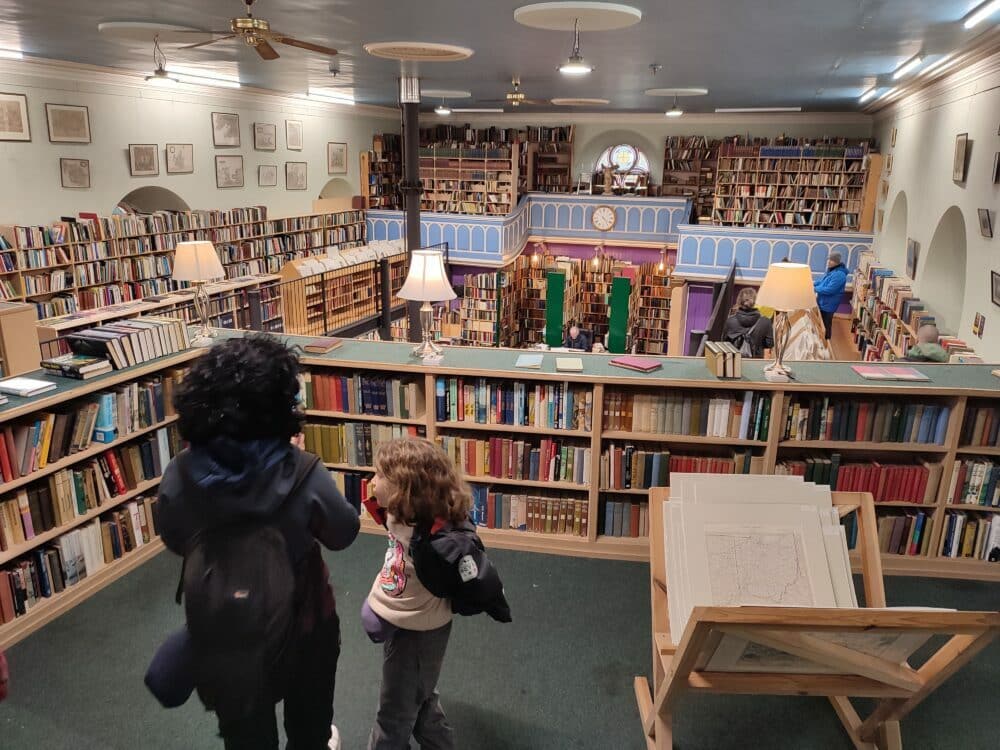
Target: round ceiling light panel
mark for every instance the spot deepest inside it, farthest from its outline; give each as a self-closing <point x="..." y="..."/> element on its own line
<point x="446" y="94"/>
<point x="579" y="102"/>
<point x="418" y="51"/>
<point x="560" y="16"/>
<point x="146" y="31"/>
<point x="676" y="92"/>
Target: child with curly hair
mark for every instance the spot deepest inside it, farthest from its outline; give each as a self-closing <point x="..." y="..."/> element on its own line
<point x="435" y="564"/>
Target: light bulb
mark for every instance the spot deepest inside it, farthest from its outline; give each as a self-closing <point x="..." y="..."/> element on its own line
<point x="575" y="66"/>
<point x="443" y="110"/>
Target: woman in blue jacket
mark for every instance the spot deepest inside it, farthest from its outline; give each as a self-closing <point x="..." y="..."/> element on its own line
<point x="830" y="290"/>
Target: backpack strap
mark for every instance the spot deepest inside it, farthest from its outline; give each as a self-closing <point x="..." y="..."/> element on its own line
<point x="304" y="465"/>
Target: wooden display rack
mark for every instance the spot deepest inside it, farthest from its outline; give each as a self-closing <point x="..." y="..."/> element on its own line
<point x="898" y="688"/>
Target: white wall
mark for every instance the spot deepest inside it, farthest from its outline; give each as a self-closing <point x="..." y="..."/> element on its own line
<point x="926" y="125"/>
<point x="123" y="110"/>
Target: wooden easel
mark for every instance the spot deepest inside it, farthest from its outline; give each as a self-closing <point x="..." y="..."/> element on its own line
<point x="897" y="687"/>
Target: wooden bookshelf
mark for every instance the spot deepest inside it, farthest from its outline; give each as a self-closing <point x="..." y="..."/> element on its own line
<point x="550" y="163"/>
<point x="382" y="171"/>
<point x="689" y="168"/>
<point x="485" y="310"/>
<point x="594" y="299"/>
<point x="650" y="309"/>
<point x="469" y="180"/>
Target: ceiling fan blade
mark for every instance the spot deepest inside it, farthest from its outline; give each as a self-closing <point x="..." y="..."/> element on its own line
<point x="266" y="51"/>
<point x="224" y="32"/>
<point x="330" y="51"/>
<point x="210" y="41"/>
<point x="534" y="101"/>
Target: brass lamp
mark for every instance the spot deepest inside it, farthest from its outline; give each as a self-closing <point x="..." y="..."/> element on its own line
<point x="427" y="282"/>
<point x="199" y="263"/>
<point x="787" y="287"/>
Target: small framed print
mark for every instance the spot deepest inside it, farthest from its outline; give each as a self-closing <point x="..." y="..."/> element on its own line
<point x="336" y="158"/>
<point x="265" y="136"/>
<point x="180" y="158"/>
<point x="295" y="175"/>
<point x="979" y="325"/>
<point x="143" y="160"/>
<point x="225" y="129"/>
<point x="995" y="287"/>
<point x="892" y="141"/>
<point x="67" y="123"/>
<point x="293" y="135"/>
<point x="229" y="171"/>
<point x="14" y="118"/>
<point x="985" y="222"/>
<point x="75" y="173"/>
<point x="958" y="161"/>
<point x="267" y="175"/>
<point x="996" y="168"/>
<point x="888" y="164"/>
<point x="912" y="248"/>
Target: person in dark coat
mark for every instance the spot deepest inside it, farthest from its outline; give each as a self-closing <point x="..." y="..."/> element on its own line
<point x="746" y="325"/>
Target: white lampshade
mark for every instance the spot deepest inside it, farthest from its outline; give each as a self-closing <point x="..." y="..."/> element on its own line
<point x="197" y="261"/>
<point x="787" y="287"/>
<point x="427" y="280"/>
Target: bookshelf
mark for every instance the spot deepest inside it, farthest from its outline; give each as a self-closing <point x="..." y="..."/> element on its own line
<point x="654" y="295"/>
<point x="817" y="187"/>
<point x="548" y="159"/>
<point x="469" y="180"/>
<point x="593" y="306"/>
<point x="486" y="309"/>
<point x="94" y="262"/>
<point x="689" y="168"/>
<point x="382" y="171"/>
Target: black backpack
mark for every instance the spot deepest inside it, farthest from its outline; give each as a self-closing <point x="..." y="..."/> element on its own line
<point x="742" y="340"/>
<point x="238" y="586"/>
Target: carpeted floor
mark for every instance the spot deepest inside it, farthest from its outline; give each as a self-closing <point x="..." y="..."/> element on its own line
<point x="560" y="676"/>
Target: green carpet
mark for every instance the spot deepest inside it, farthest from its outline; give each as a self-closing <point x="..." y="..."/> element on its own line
<point x="560" y="676"/>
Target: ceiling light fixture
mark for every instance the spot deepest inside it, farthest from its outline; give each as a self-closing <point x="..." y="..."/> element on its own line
<point x="675" y="111"/>
<point x="737" y="110"/>
<point x="159" y="76"/>
<point x="909" y="66"/>
<point x="867" y="95"/>
<point x="981" y="13"/>
<point x="11" y="54"/>
<point x="442" y="109"/>
<point x="478" y="109"/>
<point x="575" y="65"/>
<point x="332" y="97"/>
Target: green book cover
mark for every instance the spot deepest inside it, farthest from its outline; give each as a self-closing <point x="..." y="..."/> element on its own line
<point x="555" y="307"/>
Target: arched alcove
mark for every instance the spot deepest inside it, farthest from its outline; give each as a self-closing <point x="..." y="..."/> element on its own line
<point x="337" y="188"/>
<point x="941" y="271"/>
<point x="586" y="155"/>
<point x="892" y="242"/>
<point x="153" y="198"/>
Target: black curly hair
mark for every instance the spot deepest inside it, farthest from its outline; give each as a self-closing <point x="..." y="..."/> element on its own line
<point x="243" y="388"/>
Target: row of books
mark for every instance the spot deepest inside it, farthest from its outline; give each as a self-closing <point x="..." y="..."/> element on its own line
<point x="48" y="571"/>
<point x="971" y="536"/>
<point x="633" y="467"/>
<point x="73" y="492"/>
<point x="483" y="401"/>
<point x="520" y="512"/>
<point x="740" y="416"/>
<point x="364" y="394"/>
<point x="814" y="418"/>
<point x="905" y="534"/>
<point x="353" y="443"/>
<point x="505" y="458"/>
<point x="980" y="426"/>
<point x="133" y="341"/>
<point x="975" y="482"/>
<point x="888" y="482"/>
<point x="623" y="518"/>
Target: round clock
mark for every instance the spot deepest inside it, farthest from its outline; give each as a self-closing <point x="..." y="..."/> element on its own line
<point x="603" y="218"/>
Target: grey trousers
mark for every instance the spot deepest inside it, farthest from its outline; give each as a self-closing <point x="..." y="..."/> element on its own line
<point x="408" y="701"/>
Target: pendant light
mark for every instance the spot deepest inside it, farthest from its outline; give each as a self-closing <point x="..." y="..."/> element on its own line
<point x="442" y="110"/>
<point x="160" y="76"/>
<point x="675" y="111"/>
<point x="575" y="65"/>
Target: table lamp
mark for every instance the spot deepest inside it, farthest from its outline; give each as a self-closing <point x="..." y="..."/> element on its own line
<point x="427" y="282"/>
<point x="787" y="287"/>
<point x="198" y="262"/>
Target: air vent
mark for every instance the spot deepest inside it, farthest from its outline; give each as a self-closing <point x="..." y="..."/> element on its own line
<point x="418" y="51"/>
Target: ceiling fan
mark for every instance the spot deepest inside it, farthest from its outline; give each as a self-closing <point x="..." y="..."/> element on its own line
<point x="257" y="33"/>
<point x="516" y="97"/>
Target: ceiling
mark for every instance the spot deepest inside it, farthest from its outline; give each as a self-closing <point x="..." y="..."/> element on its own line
<point x="817" y="54"/>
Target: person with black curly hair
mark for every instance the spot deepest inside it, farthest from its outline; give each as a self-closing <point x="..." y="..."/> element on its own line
<point x="238" y="407"/>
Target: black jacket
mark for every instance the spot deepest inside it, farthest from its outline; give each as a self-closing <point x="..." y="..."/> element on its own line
<point x="749" y="324"/>
<point x="451" y="563"/>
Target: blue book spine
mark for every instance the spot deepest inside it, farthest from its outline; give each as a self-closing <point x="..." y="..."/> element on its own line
<point x="949" y="535"/>
<point x="941" y="429"/>
<point x="926" y="422"/>
<point x="105" y="411"/>
<point x="657" y="460"/>
<point x="609" y="518"/>
<point x="918" y="532"/>
<point x="439" y="400"/>
<point x="43" y="573"/>
<point x="345" y="393"/>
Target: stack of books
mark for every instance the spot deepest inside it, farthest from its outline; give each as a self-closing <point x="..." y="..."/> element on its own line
<point x="77" y="366"/>
<point x="131" y="342"/>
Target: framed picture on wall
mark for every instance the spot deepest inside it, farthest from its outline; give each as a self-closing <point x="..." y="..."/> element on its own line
<point x="888" y="164"/>
<point x="143" y="160"/>
<point x="985" y="222"/>
<point x="265" y="136"/>
<point x="293" y="135"/>
<point x="74" y="173"/>
<point x="912" y="248"/>
<point x="996" y="168"/>
<point x="180" y="158"/>
<point x="295" y="175"/>
<point x="225" y="129"/>
<point x="892" y="141"/>
<point x="68" y="123"/>
<point x="14" y="118"/>
<point x="229" y="171"/>
<point x="958" y="164"/>
<point x="267" y="175"/>
<point x="336" y="158"/>
<point x="979" y="325"/>
<point x="995" y="287"/>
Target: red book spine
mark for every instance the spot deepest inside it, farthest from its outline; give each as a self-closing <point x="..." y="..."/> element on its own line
<point x="460" y="409"/>
<point x="634" y="520"/>
<point x="491" y="510"/>
<point x="5" y="462"/>
<point x="925" y="474"/>
<point x="116" y="473"/>
<point x="8" y="438"/>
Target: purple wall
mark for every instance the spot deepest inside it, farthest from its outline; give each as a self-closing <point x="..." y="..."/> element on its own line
<point x="699" y="308"/>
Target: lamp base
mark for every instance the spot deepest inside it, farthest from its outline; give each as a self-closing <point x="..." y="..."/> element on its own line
<point x="203" y="339"/>
<point x="426" y="348"/>
<point x="777" y="373"/>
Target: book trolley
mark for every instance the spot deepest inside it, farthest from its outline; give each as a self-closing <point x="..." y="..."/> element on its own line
<point x="897" y="688"/>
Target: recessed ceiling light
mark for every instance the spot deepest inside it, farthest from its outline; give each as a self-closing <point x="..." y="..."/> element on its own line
<point x="981" y="13"/>
<point x="868" y="94"/>
<point x="418" y="51"/>
<point x="575" y="65"/>
<point x="579" y="102"/>
<point x="910" y="65"/>
<point x="736" y="110"/>
<point x="695" y="91"/>
<point x="11" y="54"/>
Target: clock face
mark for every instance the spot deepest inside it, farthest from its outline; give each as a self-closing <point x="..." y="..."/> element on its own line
<point x="603" y="218"/>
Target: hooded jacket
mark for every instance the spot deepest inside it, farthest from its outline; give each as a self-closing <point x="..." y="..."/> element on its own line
<point x="757" y="329"/>
<point x="830" y="288"/>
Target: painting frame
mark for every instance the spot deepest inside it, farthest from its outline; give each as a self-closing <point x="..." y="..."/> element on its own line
<point x="888" y="164"/>
<point x="996" y="168"/>
<point x="294" y="135"/>
<point x="179" y="158"/>
<point x="985" y="222"/>
<point x="229" y="171"/>
<point x="892" y="141"/>
<point x="958" y="161"/>
<point x="20" y="101"/>
<point x="267" y="175"/>
<point x="52" y="123"/>
<point x="912" y="254"/>
<point x="995" y="287"/>
<point x="78" y="180"/>
<point x="336" y="157"/>
<point x="265" y="136"/>
<point x="296" y="175"/>
<point x="225" y="130"/>
<point x="139" y="162"/>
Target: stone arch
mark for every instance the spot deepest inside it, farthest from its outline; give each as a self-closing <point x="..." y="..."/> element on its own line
<point x="941" y="271"/>
<point x="892" y="242"/>
<point x="337" y="188"/>
<point x="152" y="198"/>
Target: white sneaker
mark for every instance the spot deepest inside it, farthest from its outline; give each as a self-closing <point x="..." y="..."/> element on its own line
<point x="334" y="743"/>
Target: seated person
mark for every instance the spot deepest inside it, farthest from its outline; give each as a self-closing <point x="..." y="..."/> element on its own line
<point x="927" y="348"/>
<point x="576" y="338"/>
<point x="746" y="328"/>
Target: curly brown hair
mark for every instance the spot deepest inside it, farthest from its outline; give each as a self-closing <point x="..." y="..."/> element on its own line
<point x="428" y="486"/>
